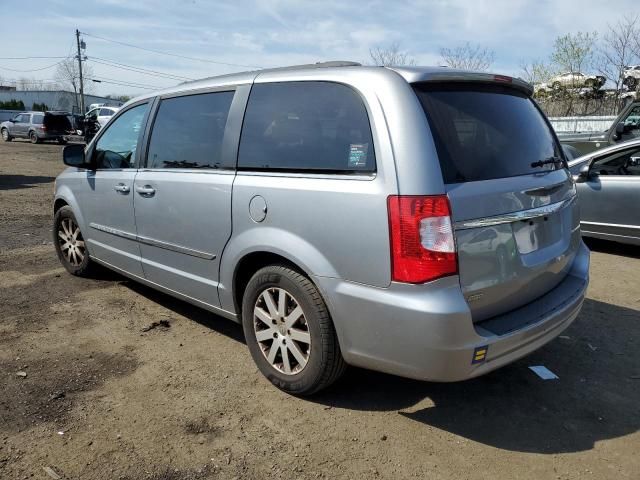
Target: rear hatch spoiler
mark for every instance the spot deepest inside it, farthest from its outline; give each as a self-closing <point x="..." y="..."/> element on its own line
<point x="446" y="75"/>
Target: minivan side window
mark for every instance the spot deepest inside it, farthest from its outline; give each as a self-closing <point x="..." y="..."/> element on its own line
<point x="306" y="126"/>
<point x="188" y="131"/>
<point x="116" y="148"/>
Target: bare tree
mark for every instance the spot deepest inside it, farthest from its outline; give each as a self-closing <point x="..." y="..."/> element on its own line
<point x="537" y="71"/>
<point x="68" y="76"/>
<point x="617" y="50"/>
<point x="468" y="57"/>
<point x="390" y="56"/>
<point x="574" y="52"/>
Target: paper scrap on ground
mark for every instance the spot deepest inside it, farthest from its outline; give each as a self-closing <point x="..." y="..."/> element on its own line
<point x="543" y="372"/>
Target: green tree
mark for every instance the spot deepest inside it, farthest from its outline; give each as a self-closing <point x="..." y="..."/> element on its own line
<point x="574" y="52"/>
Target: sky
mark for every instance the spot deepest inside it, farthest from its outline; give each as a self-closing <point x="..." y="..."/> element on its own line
<point x="244" y="34"/>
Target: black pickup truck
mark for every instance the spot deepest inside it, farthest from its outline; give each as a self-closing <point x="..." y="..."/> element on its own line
<point x="625" y="127"/>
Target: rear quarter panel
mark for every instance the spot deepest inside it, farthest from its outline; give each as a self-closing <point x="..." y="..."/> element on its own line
<point x="335" y="225"/>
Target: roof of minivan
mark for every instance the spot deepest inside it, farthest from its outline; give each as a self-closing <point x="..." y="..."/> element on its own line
<point x="410" y="74"/>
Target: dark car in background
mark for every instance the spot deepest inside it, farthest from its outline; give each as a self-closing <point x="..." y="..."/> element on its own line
<point x="37" y="126"/>
<point x="624" y="128"/>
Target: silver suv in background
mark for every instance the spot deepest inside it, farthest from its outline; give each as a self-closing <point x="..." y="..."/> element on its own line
<point x="416" y="221"/>
<point x="37" y="127"/>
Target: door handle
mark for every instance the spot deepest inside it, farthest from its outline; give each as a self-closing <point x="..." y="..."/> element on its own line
<point x="122" y="188"/>
<point x="146" y="191"/>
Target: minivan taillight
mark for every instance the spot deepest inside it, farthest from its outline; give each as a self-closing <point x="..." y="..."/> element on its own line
<point x="421" y="234"/>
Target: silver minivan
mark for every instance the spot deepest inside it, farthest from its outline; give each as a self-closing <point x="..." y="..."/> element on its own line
<point x="416" y="221"/>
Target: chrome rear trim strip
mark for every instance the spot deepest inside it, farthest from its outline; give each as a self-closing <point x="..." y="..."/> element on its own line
<point x="153" y="242"/>
<point x="616" y="225"/>
<point x="515" y="216"/>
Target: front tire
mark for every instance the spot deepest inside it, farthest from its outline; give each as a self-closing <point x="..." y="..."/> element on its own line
<point x="289" y="331"/>
<point x="5" y="135"/>
<point x="70" y="244"/>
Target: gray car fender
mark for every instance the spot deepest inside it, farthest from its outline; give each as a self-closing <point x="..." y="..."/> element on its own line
<point x="291" y="247"/>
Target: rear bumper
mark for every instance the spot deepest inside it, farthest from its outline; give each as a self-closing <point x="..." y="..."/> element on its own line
<point x="426" y="331"/>
<point x="50" y="136"/>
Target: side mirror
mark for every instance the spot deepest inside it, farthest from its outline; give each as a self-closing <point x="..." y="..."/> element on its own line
<point x="73" y="156"/>
<point x="634" y="162"/>
<point x="584" y="174"/>
<point x="620" y="128"/>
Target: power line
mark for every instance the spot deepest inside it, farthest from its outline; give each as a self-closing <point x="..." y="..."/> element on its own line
<point x="33" y="69"/>
<point x="125" y="83"/>
<point x="170" y="54"/>
<point x="26" y="58"/>
<point x="123" y="66"/>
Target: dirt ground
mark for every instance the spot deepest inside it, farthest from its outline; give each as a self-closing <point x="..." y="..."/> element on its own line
<point x="103" y="399"/>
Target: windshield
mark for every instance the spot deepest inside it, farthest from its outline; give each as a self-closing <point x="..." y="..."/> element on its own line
<point x="484" y="132"/>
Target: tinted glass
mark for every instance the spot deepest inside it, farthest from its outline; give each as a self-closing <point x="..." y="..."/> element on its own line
<point x="38" y="118"/>
<point x="116" y="148"/>
<point x="188" y="131"/>
<point x="626" y="162"/>
<point x="632" y="124"/>
<point x="306" y="126"/>
<point x="105" y="112"/>
<point x="486" y="132"/>
<point x="24" y="118"/>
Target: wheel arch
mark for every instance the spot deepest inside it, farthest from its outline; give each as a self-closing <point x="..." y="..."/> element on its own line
<point x="260" y="244"/>
<point x="249" y="264"/>
<point x="64" y="197"/>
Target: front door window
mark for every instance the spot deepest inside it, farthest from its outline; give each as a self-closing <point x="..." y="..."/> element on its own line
<point x="116" y="148"/>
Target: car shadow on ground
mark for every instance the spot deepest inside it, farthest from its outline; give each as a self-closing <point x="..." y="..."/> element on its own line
<point x="614" y="248"/>
<point x="12" y="182"/>
<point x="205" y="318"/>
<point x="596" y="397"/>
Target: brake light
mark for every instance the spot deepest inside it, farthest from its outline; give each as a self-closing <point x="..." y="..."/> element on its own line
<point x="502" y="78"/>
<point x="421" y="235"/>
<point x="42" y="127"/>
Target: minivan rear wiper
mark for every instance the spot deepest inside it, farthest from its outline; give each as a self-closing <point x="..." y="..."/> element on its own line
<point x="547" y="161"/>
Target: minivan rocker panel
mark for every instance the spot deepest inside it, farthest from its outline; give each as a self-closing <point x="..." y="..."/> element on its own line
<point x="416" y="221"/>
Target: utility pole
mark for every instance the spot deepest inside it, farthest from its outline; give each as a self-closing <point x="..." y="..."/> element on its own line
<point x="80" y="70"/>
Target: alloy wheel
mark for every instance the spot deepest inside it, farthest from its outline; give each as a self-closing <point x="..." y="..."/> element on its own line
<point x="282" y="331"/>
<point x="71" y="242"/>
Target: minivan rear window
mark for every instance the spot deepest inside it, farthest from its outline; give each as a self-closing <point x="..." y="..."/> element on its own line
<point x="484" y="132"/>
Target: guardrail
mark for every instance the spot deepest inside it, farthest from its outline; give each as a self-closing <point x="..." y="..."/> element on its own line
<point x="582" y="124"/>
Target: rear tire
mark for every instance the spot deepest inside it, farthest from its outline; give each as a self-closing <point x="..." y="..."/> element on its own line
<point x="33" y="137"/>
<point x="289" y="331"/>
<point x="5" y="135"/>
<point x="70" y="244"/>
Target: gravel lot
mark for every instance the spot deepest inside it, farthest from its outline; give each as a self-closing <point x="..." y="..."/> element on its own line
<point x="103" y="399"/>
